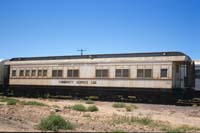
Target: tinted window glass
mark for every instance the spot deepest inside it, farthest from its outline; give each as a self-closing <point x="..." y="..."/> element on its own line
<point x="60" y="73"/>
<point x="118" y="73"/>
<point x="33" y="73"/>
<point x="69" y="73"/>
<point x="122" y="73"/>
<point x="125" y="73"/>
<point x="140" y="73"/>
<point x="76" y="73"/>
<point x="39" y="73"/>
<point x="98" y="73"/>
<point x="163" y="73"/>
<point x="44" y="73"/>
<point x="102" y="73"/>
<point x="14" y="73"/>
<point x="21" y="73"/>
<point x="27" y="73"/>
<point x="57" y="73"/>
<point x="148" y="73"/>
<point x="54" y="73"/>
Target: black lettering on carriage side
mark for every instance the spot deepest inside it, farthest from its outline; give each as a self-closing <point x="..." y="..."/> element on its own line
<point x="78" y="82"/>
<point x="66" y="82"/>
<point x="82" y="82"/>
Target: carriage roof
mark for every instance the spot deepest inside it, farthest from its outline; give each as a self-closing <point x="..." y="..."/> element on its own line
<point x="125" y="55"/>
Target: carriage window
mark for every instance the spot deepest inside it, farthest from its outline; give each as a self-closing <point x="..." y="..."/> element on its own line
<point x="140" y="73"/>
<point x="148" y="73"/>
<point x="33" y="73"/>
<point x="163" y="73"/>
<point x="73" y="73"/>
<point x="98" y="73"/>
<point x="69" y="73"/>
<point x="44" y="73"/>
<point x="144" y="73"/>
<point x="76" y="73"/>
<point x="60" y="73"/>
<point x="122" y="73"/>
<point x="27" y="73"/>
<point x="57" y="73"/>
<point x="54" y="73"/>
<point x="21" y="73"/>
<point x="39" y="73"/>
<point x="197" y="73"/>
<point x="102" y="73"/>
<point x="177" y="68"/>
<point x="14" y="73"/>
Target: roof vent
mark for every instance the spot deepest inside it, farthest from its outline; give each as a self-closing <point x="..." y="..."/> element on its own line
<point x="91" y="57"/>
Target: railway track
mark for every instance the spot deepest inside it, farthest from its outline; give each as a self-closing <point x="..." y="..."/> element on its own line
<point x="189" y="102"/>
<point x="133" y="99"/>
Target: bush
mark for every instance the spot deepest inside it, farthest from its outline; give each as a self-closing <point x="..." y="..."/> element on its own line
<point x="67" y="107"/>
<point x="118" y="131"/>
<point x="175" y="131"/>
<point x="89" y="102"/>
<point x="128" y="108"/>
<point x="55" y="106"/>
<point x="11" y="102"/>
<point x="33" y="103"/>
<point x="138" y="120"/>
<point x="94" y="97"/>
<point x="119" y="105"/>
<point x="79" y="107"/>
<point x="134" y="106"/>
<point x="92" y="108"/>
<point x="54" y="122"/>
<point x="143" y="121"/>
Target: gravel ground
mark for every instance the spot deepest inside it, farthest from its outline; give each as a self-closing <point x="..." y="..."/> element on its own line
<point x="25" y="117"/>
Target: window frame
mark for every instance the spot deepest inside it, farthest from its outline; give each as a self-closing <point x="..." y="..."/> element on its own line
<point x="144" y="73"/>
<point x="161" y="76"/>
<point x="102" y="73"/>
<point x="73" y="73"/>
<point x="40" y="73"/>
<point x="21" y="75"/>
<point x="44" y="72"/>
<point x="32" y="73"/>
<point x="14" y="70"/>
<point x="121" y="73"/>
<point x="27" y="73"/>
<point x="55" y="73"/>
<point x="151" y="73"/>
<point x="140" y="75"/>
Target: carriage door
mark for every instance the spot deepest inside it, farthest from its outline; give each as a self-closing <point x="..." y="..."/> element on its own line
<point x="177" y="76"/>
<point x="180" y="76"/>
<point x="183" y="76"/>
<point x="197" y="77"/>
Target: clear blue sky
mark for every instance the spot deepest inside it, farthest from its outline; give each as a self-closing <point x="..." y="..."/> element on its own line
<point x="60" y="27"/>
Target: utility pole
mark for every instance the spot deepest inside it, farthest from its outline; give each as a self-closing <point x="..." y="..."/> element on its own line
<point x="81" y="50"/>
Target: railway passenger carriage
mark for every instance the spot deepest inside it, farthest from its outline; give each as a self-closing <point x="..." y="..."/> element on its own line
<point x="197" y="78"/>
<point x="1" y="73"/>
<point x="129" y="74"/>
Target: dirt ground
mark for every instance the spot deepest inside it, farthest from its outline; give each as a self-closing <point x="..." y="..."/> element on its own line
<point x="26" y="117"/>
